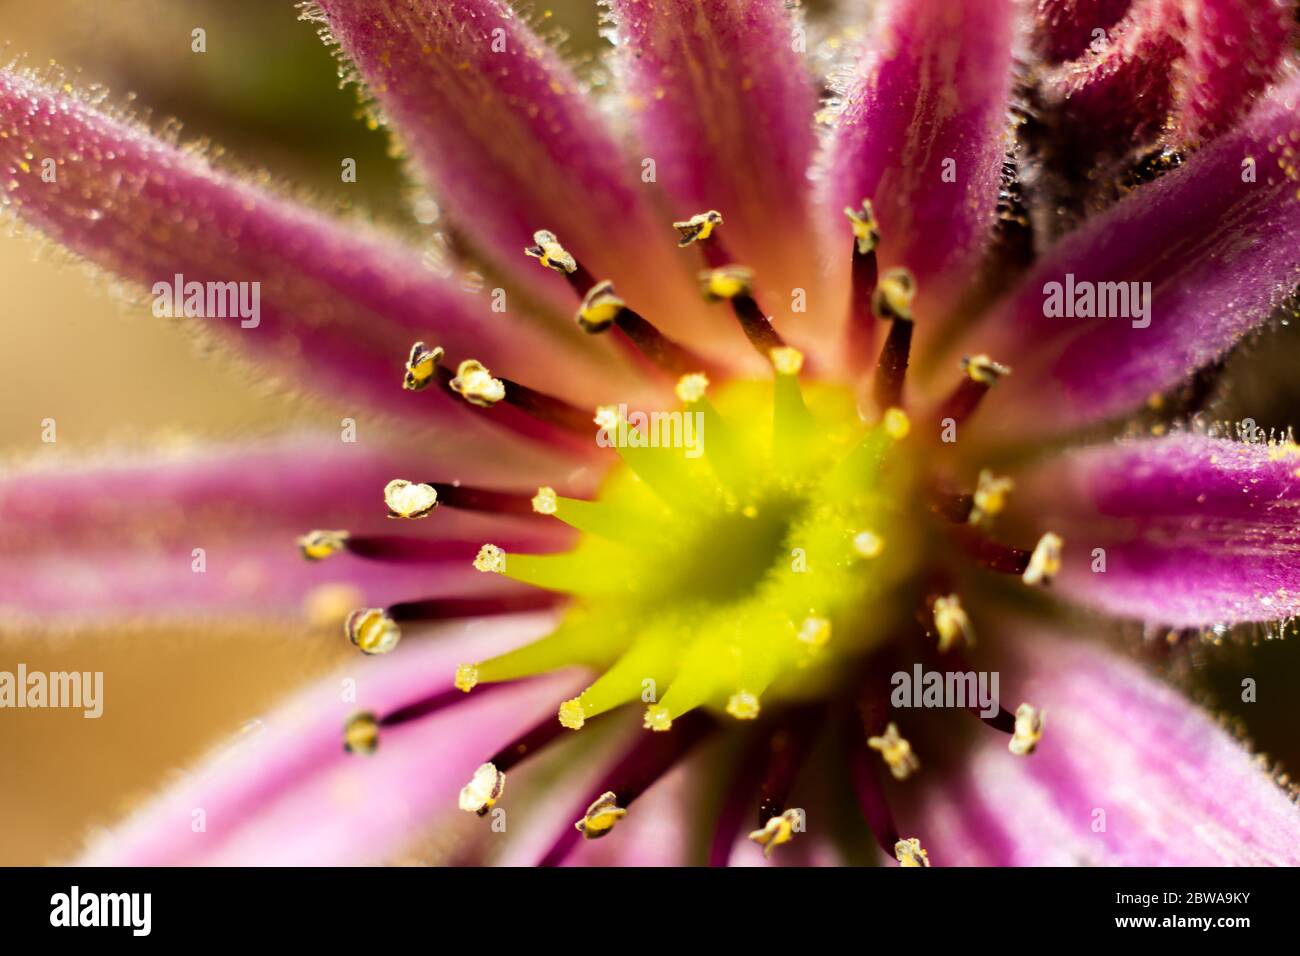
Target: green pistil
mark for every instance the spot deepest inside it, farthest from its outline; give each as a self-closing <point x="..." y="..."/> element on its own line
<point x="736" y="577"/>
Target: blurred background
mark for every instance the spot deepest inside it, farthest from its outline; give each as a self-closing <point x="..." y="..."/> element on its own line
<point x="267" y="90"/>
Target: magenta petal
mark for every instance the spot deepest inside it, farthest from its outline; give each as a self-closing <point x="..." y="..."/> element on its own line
<point x="726" y="106"/>
<point x="923" y="133"/>
<point x="1234" y="48"/>
<point x="508" y="141"/>
<point x="339" y="305"/>
<point x="1064" y="29"/>
<point x="1196" y="531"/>
<point x="90" y="544"/>
<point x="1128" y="773"/>
<point x="1221" y="253"/>
<point x="286" y="793"/>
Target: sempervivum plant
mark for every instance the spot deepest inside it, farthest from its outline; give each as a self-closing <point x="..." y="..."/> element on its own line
<point x="761" y="409"/>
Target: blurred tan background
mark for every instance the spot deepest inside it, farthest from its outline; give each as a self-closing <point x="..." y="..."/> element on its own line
<point x="267" y="89"/>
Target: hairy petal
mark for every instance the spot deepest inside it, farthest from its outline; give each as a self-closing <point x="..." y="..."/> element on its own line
<point x="93" y="543"/>
<point x="288" y="794"/>
<point x="506" y="137"/>
<point x="1234" y="48"/>
<point x="1219" y="242"/>
<point x="1175" y="789"/>
<point x="923" y="133"/>
<point x="1196" y="531"/>
<point x="1063" y="29"/>
<point x="338" y="304"/>
<point x="725" y="104"/>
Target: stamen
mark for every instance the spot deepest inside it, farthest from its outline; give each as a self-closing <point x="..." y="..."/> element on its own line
<point x="690" y="388"/>
<point x="406" y="499"/>
<point x="421" y="366"/>
<point x="545" y="502"/>
<point x="787" y="749"/>
<point x="990" y="497"/>
<point x="861" y="327"/>
<point x="483" y="790"/>
<point x="655" y="346"/>
<point x="982" y="373"/>
<point x="743" y="705"/>
<point x="893" y="300"/>
<point x="698" y="227"/>
<point x="546" y="249"/>
<point x="786" y="361"/>
<point x="361" y="734"/>
<point x="1045" y="562"/>
<point x="372" y="630"/>
<point x="909" y="853"/>
<point x="868" y="544"/>
<point x="397" y="548"/>
<point x="952" y="623"/>
<point x="466" y="679"/>
<point x="726" y="282"/>
<point x="490" y="560"/>
<point x="319" y="545"/>
<point x="469" y="498"/>
<point x="815" y="632"/>
<point x="1028" y="732"/>
<point x="474" y="383"/>
<point x="599" y="308"/>
<point x="601" y="816"/>
<point x="458" y="608"/>
<point x="896" y="751"/>
<point x="650" y="758"/>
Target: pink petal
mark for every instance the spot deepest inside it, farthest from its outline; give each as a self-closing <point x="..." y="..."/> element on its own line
<point x="1065" y="28"/>
<point x="930" y="96"/>
<point x="726" y="104"/>
<point x="1196" y="531"/>
<point x="288" y="794"/>
<point x="1175" y="789"/>
<point x="508" y="141"/>
<point x="340" y="305"/>
<point x="1220" y="254"/>
<point x="89" y="543"/>
<point x="1234" y="49"/>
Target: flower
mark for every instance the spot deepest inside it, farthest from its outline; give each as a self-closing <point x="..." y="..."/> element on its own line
<point x="764" y="537"/>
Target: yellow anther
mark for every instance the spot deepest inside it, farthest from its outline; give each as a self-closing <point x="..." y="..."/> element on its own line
<point x="572" y="715"/>
<point x="897" y="424"/>
<point x="475" y="384"/>
<point x="952" y="623"/>
<point x="815" y="632"/>
<point x="1028" y="732"/>
<point x="778" y="830"/>
<point x="894" y="294"/>
<point x="786" y="360"/>
<point x="909" y="853"/>
<point x="361" y="734"/>
<point x="1045" y="562"/>
<point x="466" y="677"/>
<point x="319" y="545"/>
<point x="727" y="282"/>
<point x="607" y="416"/>
<point x="547" y="250"/>
<point x="601" y="816"/>
<point x="421" y="366"/>
<point x="483" y="790"/>
<point x="990" y="496"/>
<point x="372" y="630"/>
<point x="865" y="228"/>
<point x="599" y="308"/>
<point x="698" y="227"/>
<point x="691" y="387"/>
<point x="657" y="718"/>
<point x="408" y="499"/>
<point x="896" y="751"/>
<point x="546" y="502"/>
<point x="490" y="560"/>
<point x="868" y="544"/>
<point x="984" y="370"/>
<point x="743" y="705"/>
